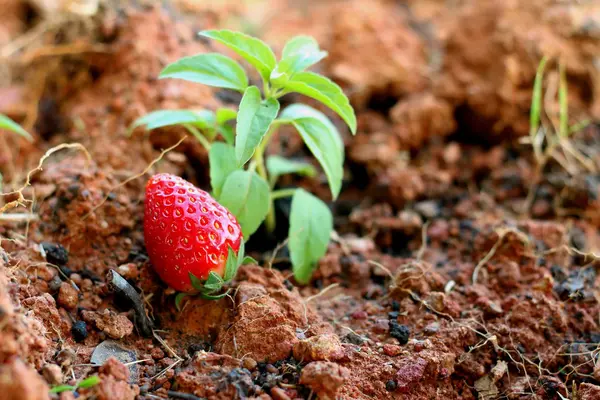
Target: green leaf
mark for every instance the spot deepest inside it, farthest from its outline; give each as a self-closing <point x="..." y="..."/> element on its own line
<point x="277" y="165"/>
<point x="253" y="50"/>
<point x="253" y="121"/>
<point x="212" y="69"/>
<point x="62" y="388"/>
<point x="89" y="382"/>
<point x="227" y="132"/>
<point x="222" y="162"/>
<point x="213" y="283"/>
<point x="231" y="266"/>
<point x="208" y="296"/>
<point x="536" y="99"/>
<point x="179" y="298"/>
<point x="224" y="115"/>
<point x="203" y="119"/>
<point x="196" y="282"/>
<point x="249" y="260"/>
<point x="246" y="195"/>
<point x="323" y="140"/>
<point x="299" y="53"/>
<point x="12" y="126"/>
<point x="311" y="224"/>
<point x="326" y="91"/>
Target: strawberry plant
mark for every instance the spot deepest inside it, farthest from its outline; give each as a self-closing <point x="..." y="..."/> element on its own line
<point x="242" y="180"/>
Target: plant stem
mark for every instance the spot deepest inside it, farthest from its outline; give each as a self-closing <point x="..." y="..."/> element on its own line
<point x="259" y="159"/>
<point x="199" y="136"/>
<point x="278" y="194"/>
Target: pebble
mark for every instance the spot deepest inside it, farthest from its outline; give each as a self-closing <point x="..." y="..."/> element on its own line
<point x="68" y="297"/>
<point x="400" y="332"/>
<point x="249" y="363"/>
<point x="271" y="369"/>
<point x="391" y="350"/>
<point x="52" y="373"/>
<point x="79" y="331"/>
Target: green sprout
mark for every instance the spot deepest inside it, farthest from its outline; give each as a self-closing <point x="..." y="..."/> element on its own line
<point x="10" y="125"/>
<point x="241" y="179"/>
<point x="551" y="138"/>
<point x="84" y="384"/>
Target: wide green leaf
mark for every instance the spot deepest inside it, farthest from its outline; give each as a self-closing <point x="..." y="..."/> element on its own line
<point x="203" y="119"/>
<point x="10" y="125"/>
<point x="212" y="69"/>
<point x="246" y="195"/>
<point x="253" y="121"/>
<point x="324" y="90"/>
<point x="222" y="162"/>
<point x="311" y="224"/>
<point x="322" y="139"/>
<point x="299" y="53"/>
<point x="277" y="166"/>
<point x="253" y="50"/>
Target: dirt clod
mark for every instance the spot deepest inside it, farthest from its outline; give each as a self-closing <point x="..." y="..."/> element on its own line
<point x="116" y="326"/>
<point x="319" y="348"/>
<point x="325" y="378"/>
<point x="19" y="382"/>
<point x="400" y="332"/>
<point x="68" y="296"/>
<point x="55" y="253"/>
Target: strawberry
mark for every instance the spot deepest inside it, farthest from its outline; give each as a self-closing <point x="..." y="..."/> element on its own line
<point x="191" y="239"/>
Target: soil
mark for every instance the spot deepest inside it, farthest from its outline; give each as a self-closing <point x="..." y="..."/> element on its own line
<point x="459" y="270"/>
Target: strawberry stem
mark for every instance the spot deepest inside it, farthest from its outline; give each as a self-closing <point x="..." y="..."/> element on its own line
<point x="199" y="136"/>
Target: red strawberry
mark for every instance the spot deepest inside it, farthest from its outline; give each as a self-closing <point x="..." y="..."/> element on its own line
<point x="186" y="231"/>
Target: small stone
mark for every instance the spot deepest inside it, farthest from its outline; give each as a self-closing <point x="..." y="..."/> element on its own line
<point x="391" y="350"/>
<point x="76" y="278"/>
<point x="432" y="328"/>
<point x="278" y="393"/>
<point x="390" y="385"/>
<point x="157" y="353"/>
<point x="271" y="369"/>
<point x="52" y="374"/>
<point x="54" y="284"/>
<point x="249" y="363"/>
<point x="400" y="332"/>
<point x="354" y="338"/>
<point x="326" y="347"/>
<point x="55" y="253"/>
<point x="65" y="357"/>
<point x="381" y="326"/>
<point x="79" y="331"/>
<point x="428" y="209"/>
<point x="68" y="297"/>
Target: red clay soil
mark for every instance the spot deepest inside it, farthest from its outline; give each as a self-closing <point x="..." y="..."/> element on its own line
<point x="437" y="286"/>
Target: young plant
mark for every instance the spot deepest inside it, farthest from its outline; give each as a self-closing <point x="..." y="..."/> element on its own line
<point x="241" y="179"/>
<point x="10" y="125"/>
<point x="552" y="140"/>
<point x="84" y="384"/>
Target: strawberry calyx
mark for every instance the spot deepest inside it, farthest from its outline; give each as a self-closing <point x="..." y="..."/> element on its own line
<point x="210" y="287"/>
